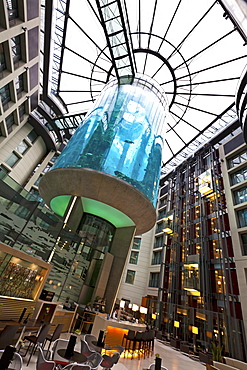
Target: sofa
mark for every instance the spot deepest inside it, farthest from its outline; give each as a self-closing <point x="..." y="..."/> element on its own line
<point x="222" y="366"/>
<point x="235" y="363"/>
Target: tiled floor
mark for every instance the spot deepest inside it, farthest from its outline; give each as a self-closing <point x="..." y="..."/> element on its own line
<point x="172" y="359"/>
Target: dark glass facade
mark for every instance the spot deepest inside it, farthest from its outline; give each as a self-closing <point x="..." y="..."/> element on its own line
<point x="26" y="224"/>
<point x="198" y="281"/>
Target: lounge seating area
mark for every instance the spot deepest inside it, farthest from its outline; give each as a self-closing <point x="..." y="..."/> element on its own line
<point x="229" y="364"/>
<point x="50" y="356"/>
<point x="49" y="359"/>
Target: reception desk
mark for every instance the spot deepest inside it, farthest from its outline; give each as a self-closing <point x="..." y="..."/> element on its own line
<point x="115" y="329"/>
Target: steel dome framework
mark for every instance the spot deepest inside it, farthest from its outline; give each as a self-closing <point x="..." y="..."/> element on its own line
<point x="196" y="51"/>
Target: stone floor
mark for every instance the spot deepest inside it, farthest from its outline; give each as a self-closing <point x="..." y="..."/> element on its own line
<point x="171" y="359"/>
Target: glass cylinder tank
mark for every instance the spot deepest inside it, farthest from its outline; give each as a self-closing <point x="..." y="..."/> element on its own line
<point x="123" y="135"/>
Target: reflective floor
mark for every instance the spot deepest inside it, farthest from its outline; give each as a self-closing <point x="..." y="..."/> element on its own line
<point x="171" y="359"/>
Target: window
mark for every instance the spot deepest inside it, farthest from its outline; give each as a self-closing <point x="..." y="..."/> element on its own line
<point x="38" y="180"/>
<point x="161" y="203"/>
<point x="54" y="158"/>
<point x="240" y="196"/>
<point x="134" y="257"/>
<point x="19" y="85"/>
<point x="22" y="147"/>
<point x="2" y="59"/>
<point x="130" y="277"/>
<point x="239" y="176"/>
<point x="158" y="242"/>
<point x="12" y="7"/>
<point x="3" y="172"/>
<point x="10" y="121"/>
<point x="159" y="228"/>
<point x="35" y="193"/>
<point x="244" y="244"/>
<point x="16" y="49"/>
<point x="136" y="243"/>
<point x="47" y="168"/>
<point x="156" y="260"/>
<point x="12" y="160"/>
<point x="235" y="161"/>
<point x="22" y="111"/>
<point x="5" y="96"/>
<point x="154" y="280"/>
<point x="32" y="136"/>
<point x="161" y="214"/>
<point x="242" y="217"/>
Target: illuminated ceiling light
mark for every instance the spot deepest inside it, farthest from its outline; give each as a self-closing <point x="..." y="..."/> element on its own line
<point x="122" y="304"/>
<point x="205" y="190"/>
<point x="201" y="316"/>
<point x="176" y="324"/>
<point x="188" y="265"/>
<point x="143" y="310"/>
<point x="194" y="330"/>
<point x="205" y="183"/>
<point x="167" y="230"/>
<point x="135" y="307"/>
<point x="191" y="289"/>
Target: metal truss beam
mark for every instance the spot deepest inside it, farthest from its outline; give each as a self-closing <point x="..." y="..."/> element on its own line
<point x="115" y="23"/>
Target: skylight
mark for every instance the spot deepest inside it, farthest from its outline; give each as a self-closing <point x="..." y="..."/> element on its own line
<point x="191" y="48"/>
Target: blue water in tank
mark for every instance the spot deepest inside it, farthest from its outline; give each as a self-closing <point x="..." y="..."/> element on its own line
<point x="122" y="135"/>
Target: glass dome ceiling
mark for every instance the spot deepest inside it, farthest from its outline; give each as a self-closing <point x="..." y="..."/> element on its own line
<point x="194" y="49"/>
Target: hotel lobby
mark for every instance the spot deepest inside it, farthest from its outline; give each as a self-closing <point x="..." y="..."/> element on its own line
<point x="123" y="157"/>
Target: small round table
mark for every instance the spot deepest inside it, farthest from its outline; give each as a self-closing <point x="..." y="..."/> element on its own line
<point x="95" y="343"/>
<point x="76" y="357"/>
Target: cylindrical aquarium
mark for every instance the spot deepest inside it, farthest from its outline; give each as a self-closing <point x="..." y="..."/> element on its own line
<point x="123" y="135"/>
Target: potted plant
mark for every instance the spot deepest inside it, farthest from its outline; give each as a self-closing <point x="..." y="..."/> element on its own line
<point x="216" y="352"/>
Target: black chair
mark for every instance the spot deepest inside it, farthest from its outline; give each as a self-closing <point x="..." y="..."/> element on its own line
<point x="109" y="361"/>
<point x="7" y="335"/>
<point x="52" y="337"/>
<point x="36" y="339"/>
<point x="129" y="340"/>
<point x="90" y="338"/>
<point x="16" y="363"/>
<point x="85" y="350"/>
<point x="150" y="341"/>
<point x="139" y="339"/>
<point x="94" y="360"/>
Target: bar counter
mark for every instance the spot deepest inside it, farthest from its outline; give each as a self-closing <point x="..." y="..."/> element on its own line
<point x="115" y="329"/>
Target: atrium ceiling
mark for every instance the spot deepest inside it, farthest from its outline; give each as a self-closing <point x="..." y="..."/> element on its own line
<point x="194" y="49"/>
